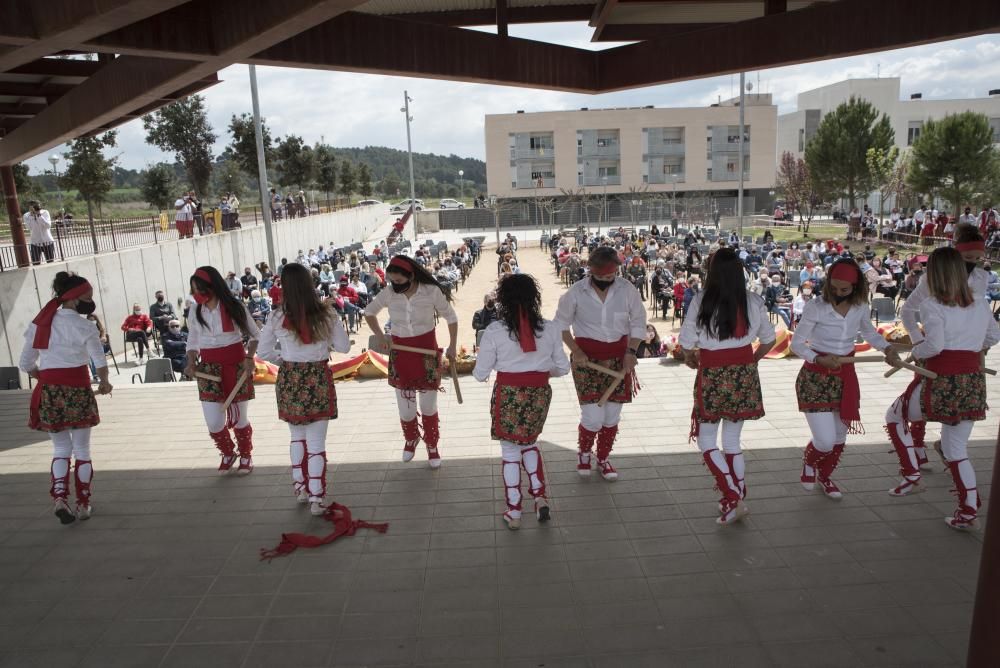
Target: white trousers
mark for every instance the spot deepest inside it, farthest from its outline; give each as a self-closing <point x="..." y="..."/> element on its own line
<point x="708" y="436"/>
<point x="427" y="400"/>
<point x="308" y="454"/>
<point x="65" y="444"/>
<point x="514" y="457"/>
<point x="215" y="417"/>
<point x="593" y="417"/>
<point x="827" y="430"/>
<point x="954" y="438"/>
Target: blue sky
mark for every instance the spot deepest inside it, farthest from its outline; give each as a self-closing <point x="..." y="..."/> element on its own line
<point x="347" y="109"/>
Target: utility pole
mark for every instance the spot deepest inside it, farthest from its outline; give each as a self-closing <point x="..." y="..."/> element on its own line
<point x="265" y="198"/>
<point x="739" y="198"/>
<point x="409" y="151"/>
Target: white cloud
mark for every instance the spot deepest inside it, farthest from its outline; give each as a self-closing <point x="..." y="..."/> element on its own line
<point x="348" y="109"/>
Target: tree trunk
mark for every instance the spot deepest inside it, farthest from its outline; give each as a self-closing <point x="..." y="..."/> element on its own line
<point x="90" y="217"/>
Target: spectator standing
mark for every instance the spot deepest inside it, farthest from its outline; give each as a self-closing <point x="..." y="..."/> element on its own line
<point x="138" y="328"/>
<point x="39" y="223"/>
<point x="482" y="318"/>
<point x="184" y="217"/>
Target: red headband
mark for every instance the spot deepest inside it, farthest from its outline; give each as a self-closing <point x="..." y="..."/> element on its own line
<point x="43" y="321"/>
<point x="846" y="272"/>
<point x="970" y="246"/>
<point x="203" y="275"/>
<point x="401" y="263"/>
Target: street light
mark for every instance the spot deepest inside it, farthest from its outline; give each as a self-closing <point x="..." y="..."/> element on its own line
<point x="409" y="150"/>
<point x="604" y="180"/>
<point x="54" y="159"/>
<point x="461" y="185"/>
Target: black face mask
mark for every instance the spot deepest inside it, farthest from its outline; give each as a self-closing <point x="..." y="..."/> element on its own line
<point x="400" y="288"/>
<point x="840" y="299"/>
<point x="159" y="300"/>
<point x="490" y="305"/>
<point x="602" y="285"/>
<point x="85" y="308"/>
<point x="970" y="266"/>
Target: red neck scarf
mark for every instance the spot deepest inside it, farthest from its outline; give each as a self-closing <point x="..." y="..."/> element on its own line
<point x="227" y="320"/>
<point x="525" y="334"/>
<point x="43" y="321"/>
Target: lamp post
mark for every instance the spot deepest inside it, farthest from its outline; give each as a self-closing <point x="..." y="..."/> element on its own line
<point x="461" y="185"/>
<point x="54" y="160"/>
<point x="409" y="151"/>
<point x="604" y="181"/>
<point x="742" y="144"/>
<point x="265" y="198"/>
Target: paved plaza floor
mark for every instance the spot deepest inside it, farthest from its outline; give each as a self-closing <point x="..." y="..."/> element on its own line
<point x="629" y="574"/>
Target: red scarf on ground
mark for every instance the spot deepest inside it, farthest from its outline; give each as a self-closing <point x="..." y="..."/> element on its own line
<point x="344" y="525"/>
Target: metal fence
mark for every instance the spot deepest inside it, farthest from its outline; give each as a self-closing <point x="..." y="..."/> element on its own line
<point x="81" y="237"/>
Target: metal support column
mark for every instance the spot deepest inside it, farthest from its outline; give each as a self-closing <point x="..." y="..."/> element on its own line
<point x="265" y="198"/>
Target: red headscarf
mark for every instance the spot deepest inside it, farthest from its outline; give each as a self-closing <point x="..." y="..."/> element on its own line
<point x="525" y="334"/>
<point x="845" y="271"/>
<point x="43" y="321"/>
<point x="227" y="320"/>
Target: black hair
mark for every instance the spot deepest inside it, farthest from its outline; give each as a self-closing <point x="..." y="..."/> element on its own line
<point x="66" y="281"/>
<point x="724" y="297"/>
<point x="218" y="287"/>
<point x="416" y="273"/>
<point x="514" y="293"/>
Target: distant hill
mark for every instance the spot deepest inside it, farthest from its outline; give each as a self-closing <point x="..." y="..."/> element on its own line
<point x="427" y="167"/>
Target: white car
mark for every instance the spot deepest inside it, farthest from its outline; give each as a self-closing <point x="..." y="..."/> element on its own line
<point x="369" y="202"/>
<point x="451" y="204"/>
<point x="405" y="204"/>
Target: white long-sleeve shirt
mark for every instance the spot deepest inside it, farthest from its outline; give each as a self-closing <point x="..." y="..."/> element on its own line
<point x="824" y="330"/>
<point x="758" y="327"/>
<point x="200" y="337"/>
<point x="413" y="316"/>
<point x="955" y="328"/>
<point x="40" y="225"/>
<point x="979" y="282"/>
<point x="620" y="314"/>
<point x="292" y="349"/>
<point x="74" y="341"/>
<point x="498" y="351"/>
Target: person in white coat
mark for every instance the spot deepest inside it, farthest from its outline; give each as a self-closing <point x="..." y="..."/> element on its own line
<point x="525" y="351"/>
<point x="298" y="337"/>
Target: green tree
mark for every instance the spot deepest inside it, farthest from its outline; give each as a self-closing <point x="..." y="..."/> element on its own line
<point x="364" y="180"/>
<point x="326" y="169"/>
<point x="390" y="186"/>
<point x="348" y="180"/>
<point x="243" y="147"/>
<point x="159" y="186"/>
<point x="229" y="178"/>
<point x="89" y="172"/>
<point x="837" y="156"/>
<point x="182" y="127"/>
<point x="296" y="162"/>
<point x="954" y="158"/>
<point x="883" y="164"/>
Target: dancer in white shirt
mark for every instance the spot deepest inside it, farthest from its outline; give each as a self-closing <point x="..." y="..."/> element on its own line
<point x="306" y="329"/>
<point x="58" y="344"/>
<point x="216" y="331"/>
<point x="828" y="391"/>
<point x="414" y="298"/>
<point x="970" y="243"/>
<point x="958" y="332"/>
<point x="525" y="351"/>
<point x="608" y="322"/>
<point x="723" y="321"/>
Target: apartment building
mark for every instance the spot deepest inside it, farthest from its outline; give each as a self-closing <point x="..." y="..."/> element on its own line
<point x="908" y="116"/>
<point x="684" y="150"/>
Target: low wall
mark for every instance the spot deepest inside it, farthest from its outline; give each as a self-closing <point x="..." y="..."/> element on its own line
<point x="133" y="275"/>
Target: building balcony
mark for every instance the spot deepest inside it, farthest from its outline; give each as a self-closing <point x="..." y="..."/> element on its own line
<point x="666" y="149"/>
<point x="666" y="179"/>
<point x="599" y="180"/>
<point x="530" y="184"/>
<point x="532" y="153"/>
<point x="599" y="151"/>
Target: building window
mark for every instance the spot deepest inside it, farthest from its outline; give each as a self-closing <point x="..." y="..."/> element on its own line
<point x="995" y="125"/>
<point x="913" y="132"/>
<point x="802" y="139"/>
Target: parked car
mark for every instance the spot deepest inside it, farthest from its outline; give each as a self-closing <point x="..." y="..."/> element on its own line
<point x="405" y="204"/>
<point x="451" y="204"/>
<point x="369" y="202"/>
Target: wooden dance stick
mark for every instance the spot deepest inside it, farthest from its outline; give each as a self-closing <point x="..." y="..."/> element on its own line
<point x="844" y="359"/>
<point x="603" y="369"/>
<point x="411" y="349"/>
<point x="454" y="379"/>
<point x="207" y="376"/>
<point x="897" y="368"/>
<point x="236" y="389"/>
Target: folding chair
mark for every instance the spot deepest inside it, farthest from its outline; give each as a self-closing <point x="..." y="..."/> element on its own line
<point x="883" y="310"/>
<point x="158" y="370"/>
<point x="10" y="378"/>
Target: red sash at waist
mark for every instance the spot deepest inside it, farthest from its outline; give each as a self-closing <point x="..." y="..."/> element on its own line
<point x="230" y="357"/>
<point x="954" y="362"/>
<point x="850" y="397"/>
<point x="523" y="378"/>
<point x="74" y="376"/>
<point x="603" y="350"/>
<point x="711" y="359"/>
<point x="410" y="366"/>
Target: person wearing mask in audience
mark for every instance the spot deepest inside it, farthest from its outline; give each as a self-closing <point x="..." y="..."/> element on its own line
<point x="175" y="345"/>
<point x="827" y="389"/>
<point x="413" y="300"/>
<point x="298" y="338"/>
<point x="234" y="284"/>
<point x="351" y="303"/>
<point x="800" y="301"/>
<point x="360" y="287"/>
<point x="602" y="321"/>
<point x="779" y="300"/>
<point x="325" y="278"/>
<point x="138" y="328"/>
<point x="161" y="312"/>
<point x="957" y="334"/>
<point x="482" y="318"/>
<point x="716" y="338"/>
<point x="217" y="358"/>
<point x="58" y="344"/>
<point x="525" y="350"/>
<point x="661" y="286"/>
<point x="249" y="282"/>
<point x="808" y="273"/>
<point x="993" y="283"/>
<point x="693" y="287"/>
<point x="650" y="344"/>
<point x="880" y="279"/>
<point x="259" y="308"/>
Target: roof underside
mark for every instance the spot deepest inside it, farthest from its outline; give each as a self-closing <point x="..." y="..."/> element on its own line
<point x="146" y="53"/>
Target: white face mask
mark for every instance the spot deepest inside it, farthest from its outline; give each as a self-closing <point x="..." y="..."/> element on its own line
<point x="807" y="292"/>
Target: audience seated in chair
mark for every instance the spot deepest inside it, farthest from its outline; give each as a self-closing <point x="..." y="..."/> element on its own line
<point x="175" y="346"/>
<point x="138" y="328"/>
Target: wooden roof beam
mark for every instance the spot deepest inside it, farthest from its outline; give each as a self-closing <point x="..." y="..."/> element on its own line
<point x="487" y="17"/>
